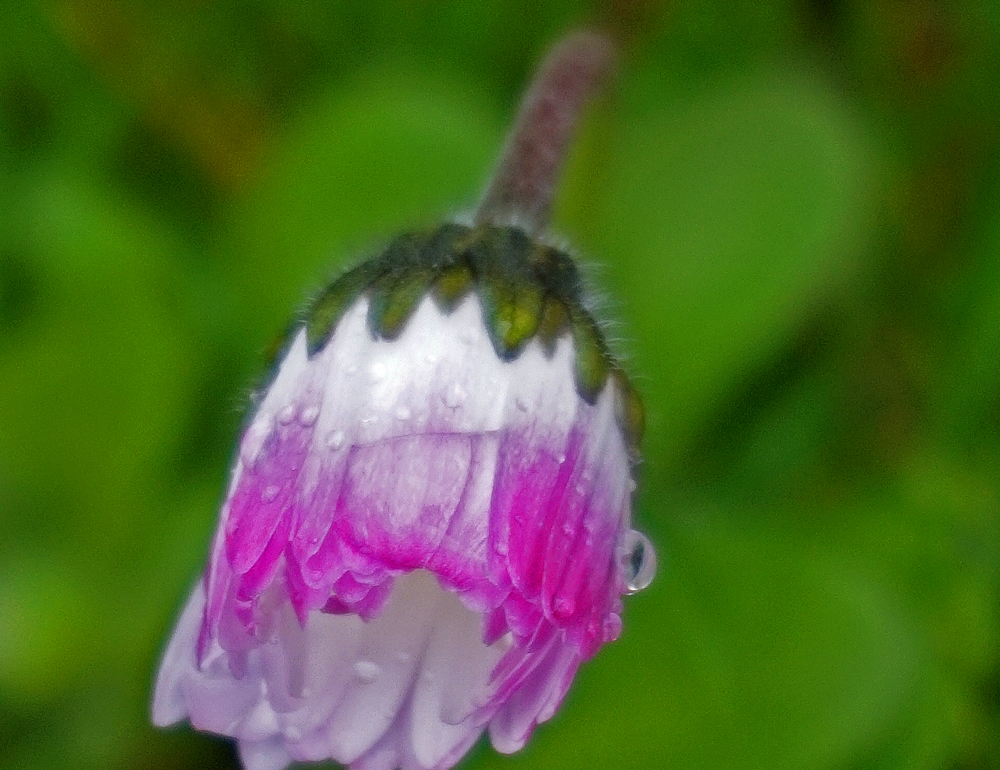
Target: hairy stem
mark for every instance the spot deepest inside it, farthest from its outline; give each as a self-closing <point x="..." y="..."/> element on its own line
<point x="524" y="182"/>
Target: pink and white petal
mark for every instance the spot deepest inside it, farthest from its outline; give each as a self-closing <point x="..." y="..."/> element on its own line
<point x="535" y="700"/>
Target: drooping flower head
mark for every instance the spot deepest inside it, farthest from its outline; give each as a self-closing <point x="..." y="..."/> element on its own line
<point x="428" y="527"/>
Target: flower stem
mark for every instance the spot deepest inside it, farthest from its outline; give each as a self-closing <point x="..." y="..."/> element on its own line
<point x="523" y="184"/>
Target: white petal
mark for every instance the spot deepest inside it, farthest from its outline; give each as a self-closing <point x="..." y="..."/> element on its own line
<point x="264" y="755"/>
<point x="453" y="684"/>
<point x="178" y="663"/>
<point x="385" y="668"/>
<point x="440" y="374"/>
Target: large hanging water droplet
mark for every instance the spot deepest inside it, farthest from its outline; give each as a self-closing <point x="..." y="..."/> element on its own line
<point x="638" y="560"/>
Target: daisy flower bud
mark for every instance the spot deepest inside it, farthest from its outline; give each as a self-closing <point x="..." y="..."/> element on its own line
<point x="428" y="525"/>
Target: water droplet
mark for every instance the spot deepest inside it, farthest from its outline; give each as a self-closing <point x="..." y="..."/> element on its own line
<point x="254" y="441"/>
<point x="286" y="415"/>
<point x="367" y="671"/>
<point x="270" y="492"/>
<point x="431" y="358"/>
<point x="521" y="403"/>
<point x="637" y="559"/>
<point x="377" y="372"/>
<point x="612" y="628"/>
<point x="403" y="413"/>
<point x="335" y="440"/>
<point x="561" y="459"/>
<point x="454" y="396"/>
<point x="309" y="415"/>
<point x="501" y="547"/>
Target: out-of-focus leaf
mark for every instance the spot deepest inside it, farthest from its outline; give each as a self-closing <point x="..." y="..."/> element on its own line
<point x="801" y="662"/>
<point x="361" y="163"/>
<point x="728" y="220"/>
<point x="95" y="387"/>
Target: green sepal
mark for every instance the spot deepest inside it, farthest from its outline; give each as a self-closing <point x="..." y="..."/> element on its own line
<point x="591" y="364"/>
<point x="446" y="246"/>
<point x="557" y="272"/>
<point x="328" y="308"/>
<point x="553" y="323"/>
<point x="511" y="293"/>
<point x="629" y="410"/>
<point x="394" y="298"/>
<point x="512" y="314"/>
<point x="452" y="285"/>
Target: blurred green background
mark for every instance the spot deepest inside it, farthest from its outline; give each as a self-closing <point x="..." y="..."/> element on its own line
<point x="794" y="209"/>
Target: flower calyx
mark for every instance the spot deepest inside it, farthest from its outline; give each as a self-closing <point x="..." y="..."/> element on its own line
<point x="527" y="288"/>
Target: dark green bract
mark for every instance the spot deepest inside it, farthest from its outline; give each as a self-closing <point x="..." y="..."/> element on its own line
<point x="527" y="289"/>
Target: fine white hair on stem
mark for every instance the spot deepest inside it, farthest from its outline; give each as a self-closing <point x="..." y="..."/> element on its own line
<point x="524" y="182"/>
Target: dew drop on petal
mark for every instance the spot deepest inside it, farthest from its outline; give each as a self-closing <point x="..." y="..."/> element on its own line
<point x="270" y="492"/>
<point x="367" y="671"/>
<point x="454" y="396"/>
<point x="309" y="415"/>
<point x="377" y="372"/>
<point x="469" y="335"/>
<point x="638" y="560"/>
<point x="521" y="403"/>
<point x="335" y="440"/>
<point x="403" y="413"/>
<point x="351" y="370"/>
<point x="286" y="415"/>
<point x="254" y="441"/>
